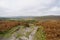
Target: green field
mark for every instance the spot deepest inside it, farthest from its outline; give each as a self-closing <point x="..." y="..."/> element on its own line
<point x="40" y="35"/>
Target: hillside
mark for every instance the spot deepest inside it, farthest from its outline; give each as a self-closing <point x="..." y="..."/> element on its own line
<point x="30" y="28"/>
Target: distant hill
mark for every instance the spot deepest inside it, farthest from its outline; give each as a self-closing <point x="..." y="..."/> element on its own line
<point x="32" y="17"/>
<point x="48" y="17"/>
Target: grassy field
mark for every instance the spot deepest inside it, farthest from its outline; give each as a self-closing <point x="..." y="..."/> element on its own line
<point x="49" y="27"/>
<point x="10" y="32"/>
<point x="40" y="35"/>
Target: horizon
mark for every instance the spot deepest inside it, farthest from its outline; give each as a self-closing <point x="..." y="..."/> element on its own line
<point x="30" y="16"/>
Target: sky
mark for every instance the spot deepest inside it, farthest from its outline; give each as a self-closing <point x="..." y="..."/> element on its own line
<point x="9" y="8"/>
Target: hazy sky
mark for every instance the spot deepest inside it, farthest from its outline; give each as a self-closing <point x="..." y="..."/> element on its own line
<point x="10" y="8"/>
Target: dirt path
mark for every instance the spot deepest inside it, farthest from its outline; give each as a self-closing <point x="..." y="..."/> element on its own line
<point x="31" y="36"/>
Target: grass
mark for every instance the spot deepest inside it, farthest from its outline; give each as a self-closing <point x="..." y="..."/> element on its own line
<point x="9" y="32"/>
<point x="40" y="35"/>
<point x="20" y="34"/>
<point x="27" y="34"/>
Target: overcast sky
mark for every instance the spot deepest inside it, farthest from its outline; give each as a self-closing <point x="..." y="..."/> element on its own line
<point x="10" y="8"/>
